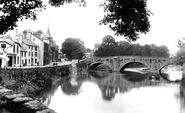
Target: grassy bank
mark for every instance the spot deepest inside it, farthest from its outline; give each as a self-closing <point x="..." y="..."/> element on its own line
<point x="32" y="81"/>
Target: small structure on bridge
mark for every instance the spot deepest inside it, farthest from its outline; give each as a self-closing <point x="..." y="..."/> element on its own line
<point x="117" y="63"/>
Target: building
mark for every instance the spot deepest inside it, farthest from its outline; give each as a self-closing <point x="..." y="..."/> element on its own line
<point x="10" y="54"/>
<point x="51" y="47"/>
<point x="29" y="48"/>
<point x="36" y="38"/>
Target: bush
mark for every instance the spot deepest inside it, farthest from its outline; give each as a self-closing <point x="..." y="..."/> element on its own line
<point x="33" y="81"/>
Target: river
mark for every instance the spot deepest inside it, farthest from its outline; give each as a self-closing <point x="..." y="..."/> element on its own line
<point x="113" y="93"/>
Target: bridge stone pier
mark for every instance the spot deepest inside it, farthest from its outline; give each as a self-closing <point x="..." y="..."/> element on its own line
<point x="117" y="63"/>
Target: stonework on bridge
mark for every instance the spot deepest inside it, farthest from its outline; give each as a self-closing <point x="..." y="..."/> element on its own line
<point x="117" y="63"/>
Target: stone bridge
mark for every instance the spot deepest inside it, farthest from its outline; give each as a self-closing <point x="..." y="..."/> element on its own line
<point x="117" y="63"/>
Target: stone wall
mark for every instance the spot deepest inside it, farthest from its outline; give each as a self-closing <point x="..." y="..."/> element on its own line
<point x="19" y="103"/>
<point x="116" y="63"/>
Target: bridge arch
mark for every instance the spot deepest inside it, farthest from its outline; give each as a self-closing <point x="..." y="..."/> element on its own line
<point x="167" y="64"/>
<point x="124" y="65"/>
<point x="96" y="64"/>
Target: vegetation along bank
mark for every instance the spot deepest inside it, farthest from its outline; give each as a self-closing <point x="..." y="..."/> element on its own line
<point x="32" y="81"/>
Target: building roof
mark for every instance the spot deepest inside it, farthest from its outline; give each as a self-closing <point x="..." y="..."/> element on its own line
<point x="48" y="34"/>
<point x="23" y="49"/>
<point x="7" y="40"/>
<point x="28" y="42"/>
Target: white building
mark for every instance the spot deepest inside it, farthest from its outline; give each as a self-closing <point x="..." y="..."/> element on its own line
<point x="35" y="38"/>
<point x="9" y="52"/>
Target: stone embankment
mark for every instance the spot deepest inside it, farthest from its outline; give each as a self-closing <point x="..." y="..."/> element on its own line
<point x="19" y="103"/>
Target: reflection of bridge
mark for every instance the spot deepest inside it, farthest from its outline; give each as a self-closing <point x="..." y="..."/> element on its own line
<point x="117" y="63"/>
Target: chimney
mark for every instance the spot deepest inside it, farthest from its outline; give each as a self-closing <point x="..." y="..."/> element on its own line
<point x="16" y="31"/>
<point x="28" y="35"/>
<point x="20" y="37"/>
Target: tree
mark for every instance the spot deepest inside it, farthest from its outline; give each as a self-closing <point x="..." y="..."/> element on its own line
<point x="73" y="48"/>
<point x="180" y="55"/>
<point x="110" y="47"/>
<point x="14" y="10"/>
<point x="126" y="18"/>
<point x="107" y="48"/>
<point x="108" y="40"/>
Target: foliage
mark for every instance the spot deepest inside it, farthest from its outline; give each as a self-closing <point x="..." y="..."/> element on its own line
<point x="111" y="48"/>
<point x="69" y="89"/>
<point x="179" y="58"/>
<point x="14" y="10"/>
<point x="73" y="48"/>
<point x="58" y="3"/>
<point x="33" y="81"/>
<point x="127" y="17"/>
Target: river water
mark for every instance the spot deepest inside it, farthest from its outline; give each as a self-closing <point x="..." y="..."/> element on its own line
<point x="113" y="93"/>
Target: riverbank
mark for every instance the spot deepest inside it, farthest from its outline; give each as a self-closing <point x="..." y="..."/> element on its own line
<point x="32" y="81"/>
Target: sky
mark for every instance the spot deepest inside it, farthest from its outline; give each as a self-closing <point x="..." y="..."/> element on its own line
<point x="70" y="20"/>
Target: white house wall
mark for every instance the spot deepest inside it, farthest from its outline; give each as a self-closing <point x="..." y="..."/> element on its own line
<point x="40" y="52"/>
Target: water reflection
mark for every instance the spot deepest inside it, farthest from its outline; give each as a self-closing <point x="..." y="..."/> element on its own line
<point x="172" y="73"/>
<point x="116" y="82"/>
<point x="70" y="89"/>
<point x="115" y="94"/>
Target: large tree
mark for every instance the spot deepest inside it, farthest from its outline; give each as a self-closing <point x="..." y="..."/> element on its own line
<point x="126" y="18"/>
<point x="12" y="11"/>
<point x="180" y="55"/>
<point x="110" y="47"/>
<point x="73" y="48"/>
<point x="107" y="48"/>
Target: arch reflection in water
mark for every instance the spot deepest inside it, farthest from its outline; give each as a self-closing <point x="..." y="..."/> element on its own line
<point x="135" y="71"/>
<point x="172" y="73"/>
<point x="115" y="83"/>
<point x="115" y="94"/>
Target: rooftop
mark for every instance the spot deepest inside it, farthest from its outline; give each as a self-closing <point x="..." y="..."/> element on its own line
<point x="28" y="42"/>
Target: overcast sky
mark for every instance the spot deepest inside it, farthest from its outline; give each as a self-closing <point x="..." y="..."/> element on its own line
<point x="167" y="23"/>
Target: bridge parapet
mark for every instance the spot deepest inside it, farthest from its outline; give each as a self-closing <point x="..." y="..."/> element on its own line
<point x="116" y="63"/>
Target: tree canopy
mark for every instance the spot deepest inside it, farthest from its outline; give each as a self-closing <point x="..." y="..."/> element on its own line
<point x="126" y="18"/>
<point x="123" y="48"/>
<point x="180" y="55"/>
<point x="11" y="11"/>
<point x="73" y="48"/>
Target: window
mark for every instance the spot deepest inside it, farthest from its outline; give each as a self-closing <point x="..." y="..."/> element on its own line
<point x="25" y="54"/>
<point x="35" y="48"/>
<point x="29" y="61"/>
<point x="35" y="54"/>
<point x="17" y="49"/>
<point x="22" y="61"/>
<point x="14" y="59"/>
<point x="13" y="48"/>
<point x="22" y="54"/>
<point x="17" y="60"/>
<point x="31" y="47"/>
<point x="29" y="53"/>
<point x="3" y="45"/>
<point x="35" y="60"/>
